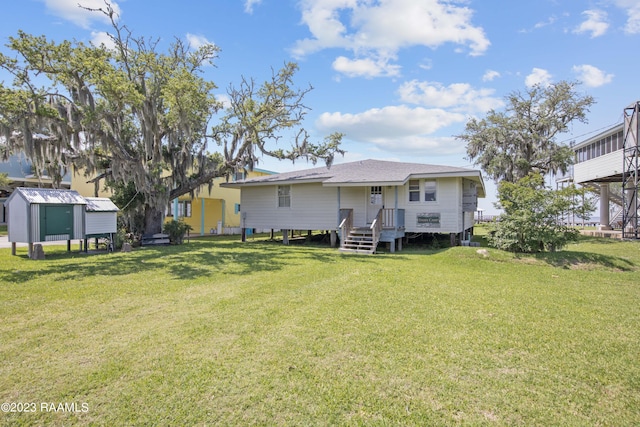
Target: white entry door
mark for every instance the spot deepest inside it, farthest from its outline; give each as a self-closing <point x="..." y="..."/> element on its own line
<point x="375" y="203"/>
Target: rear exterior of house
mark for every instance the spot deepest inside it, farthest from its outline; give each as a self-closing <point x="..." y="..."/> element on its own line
<point x="389" y="199"/>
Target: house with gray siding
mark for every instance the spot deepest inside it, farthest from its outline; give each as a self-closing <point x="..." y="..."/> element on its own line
<point x="364" y="203"/>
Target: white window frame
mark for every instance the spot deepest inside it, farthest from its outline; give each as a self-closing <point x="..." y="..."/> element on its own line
<point x="435" y="190"/>
<point x="414" y="189"/>
<point x="184" y="209"/>
<point x="283" y="194"/>
<point x="375" y="195"/>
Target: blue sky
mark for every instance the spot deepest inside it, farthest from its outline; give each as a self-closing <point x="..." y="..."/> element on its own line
<point x="399" y="78"/>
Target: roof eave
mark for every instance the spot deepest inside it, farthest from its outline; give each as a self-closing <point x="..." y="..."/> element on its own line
<point x="452" y="174"/>
<point x="240" y="184"/>
<point x="363" y="183"/>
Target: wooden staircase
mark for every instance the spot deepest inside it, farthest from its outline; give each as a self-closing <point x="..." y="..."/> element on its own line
<point x="360" y="240"/>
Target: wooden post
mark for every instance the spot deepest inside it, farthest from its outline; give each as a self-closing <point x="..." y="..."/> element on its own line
<point x="244" y="235"/>
<point x="68" y="245"/>
<point x="334" y="238"/>
<point x="13" y="248"/>
<point x="272" y="234"/>
<point x="285" y="237"/>
<point x="30" y="250"/>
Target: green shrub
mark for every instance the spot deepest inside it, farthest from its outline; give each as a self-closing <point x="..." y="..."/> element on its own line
<point x="530" y="222"/>
<point x="176" y="231"/>
<point x="122" y="237"/>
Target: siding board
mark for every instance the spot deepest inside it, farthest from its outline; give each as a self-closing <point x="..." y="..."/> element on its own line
<point x="601" y="167"/>
<point x="101" y="222"/>
<point x="19" y="221"/>
<point x="448" y="205"/>
<point x="313" y="207"/>
<point x="78" y="222"/>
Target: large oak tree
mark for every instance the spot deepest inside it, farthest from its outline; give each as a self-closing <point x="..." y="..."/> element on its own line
<point x="511" y="144"/>
<point x="144" y="119"/>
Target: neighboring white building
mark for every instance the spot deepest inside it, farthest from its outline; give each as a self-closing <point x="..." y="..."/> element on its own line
<point x="396" y="198"/>
<point x="599" y="161"/>
<point x="599" y="158"/>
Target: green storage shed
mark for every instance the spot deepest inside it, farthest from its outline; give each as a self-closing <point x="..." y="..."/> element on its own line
<point x="43" y="215"/>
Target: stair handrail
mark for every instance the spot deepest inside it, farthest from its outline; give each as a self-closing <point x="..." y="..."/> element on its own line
<point x="346" y="224"/>
<point x="376" y="227"/>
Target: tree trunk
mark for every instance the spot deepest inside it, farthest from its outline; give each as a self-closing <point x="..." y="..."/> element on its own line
<point x="152" y="220"/>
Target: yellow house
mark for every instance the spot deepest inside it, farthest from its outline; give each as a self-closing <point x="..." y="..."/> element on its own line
<point x="208" y="212"/>
<point x="87" y="189"/>
<point x="213" y="212"/>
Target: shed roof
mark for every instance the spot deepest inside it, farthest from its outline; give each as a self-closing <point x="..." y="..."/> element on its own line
<point x="365" y="172"/>
<point x="100" y="204"/>
<point x="47" y="196"/>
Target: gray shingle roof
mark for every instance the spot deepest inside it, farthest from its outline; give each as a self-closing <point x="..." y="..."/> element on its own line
<point x="362" y="172"/>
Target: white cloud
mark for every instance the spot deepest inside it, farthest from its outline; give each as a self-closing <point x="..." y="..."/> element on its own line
<point x="592" y="76"/>
<point x="71" y="10"/>
<point x="380" y="29"/>
<point x="397" y="128"/>
<point x="459" y="97"/>
<point x="596" y="23"/>
<point x="490" y="75"/>
<point x="538" y="76"/>
<point x="418" y="145"/>
<point x="367" y="67"/>
<point x="101" y="38"/>
<point x="196" y="42"/>
<point x="539" y="25"/>
<point x="632" y="8"/>
<point x="552" y="19"/>
<point x="224" y="99"/>
<point x="249" y="4"/>
<point x="426" y="64"/>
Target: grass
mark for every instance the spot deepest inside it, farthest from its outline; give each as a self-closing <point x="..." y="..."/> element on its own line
<point x="3" y="229"/>
<point x="216" y="332"/>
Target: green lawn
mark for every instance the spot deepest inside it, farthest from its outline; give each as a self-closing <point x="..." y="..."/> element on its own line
<point x="3" y="230"/>
<point x="217" y="332"/>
